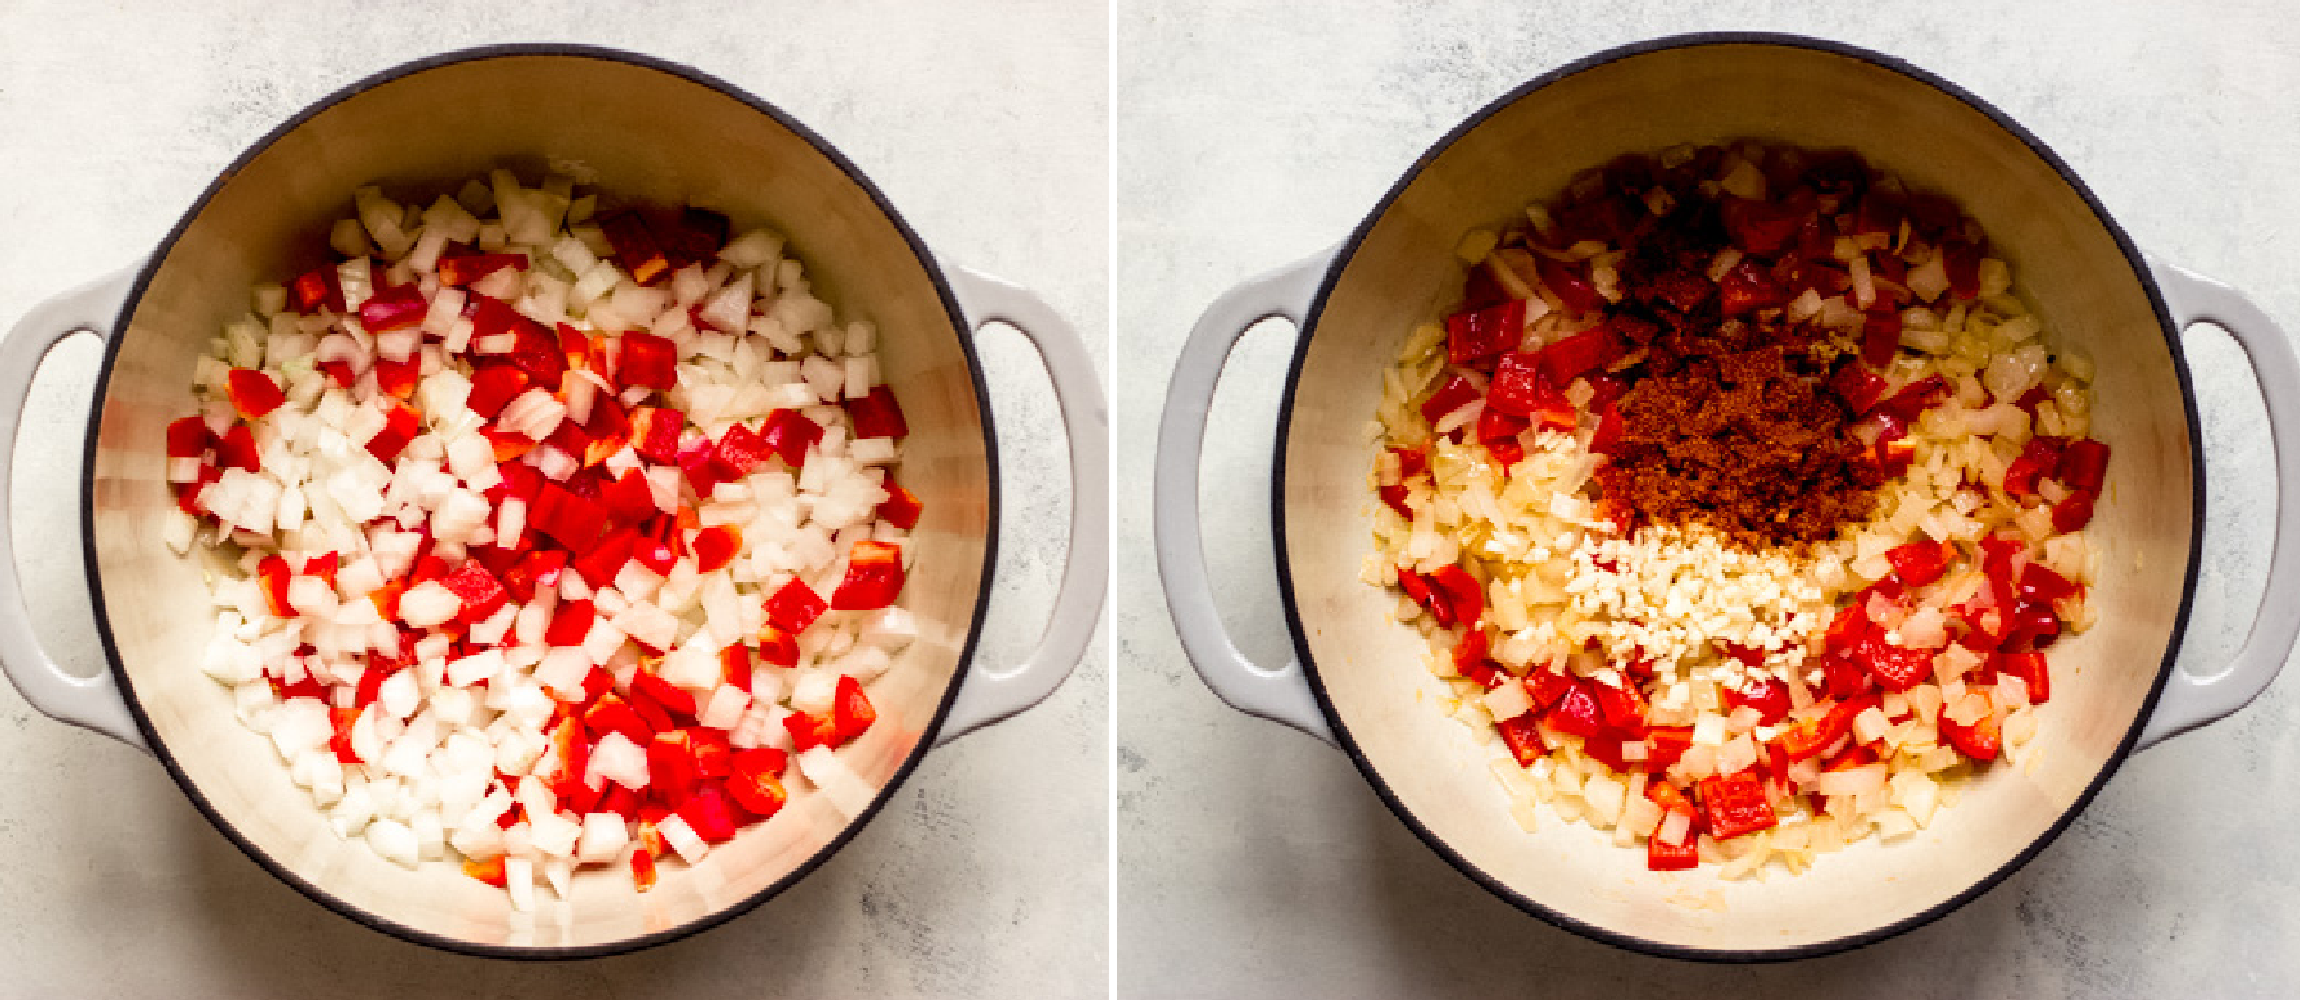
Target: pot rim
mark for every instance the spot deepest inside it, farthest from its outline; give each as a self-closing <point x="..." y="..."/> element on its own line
<point x="318" y="894"/>
<point x="1551" y="915"/>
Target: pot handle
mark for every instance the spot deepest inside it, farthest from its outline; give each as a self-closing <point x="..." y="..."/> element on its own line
<point x="987" y="696"/>
<point x="90" y="702"/>
<point x="1282" y="694"/>
<point x="2190" y="700"/>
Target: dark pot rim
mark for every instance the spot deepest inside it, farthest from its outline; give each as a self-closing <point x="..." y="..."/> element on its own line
<point x="320" y="894"/>
<point x="1632" y="942"/>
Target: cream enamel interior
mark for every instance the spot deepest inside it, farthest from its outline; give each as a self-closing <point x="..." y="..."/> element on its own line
<point x="2064" y="261"/>
<point x="639" y="134"/>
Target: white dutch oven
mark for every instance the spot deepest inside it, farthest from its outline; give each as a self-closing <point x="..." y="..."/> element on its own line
<point x="644" y="130"/>
<point x="1357" y="680"/>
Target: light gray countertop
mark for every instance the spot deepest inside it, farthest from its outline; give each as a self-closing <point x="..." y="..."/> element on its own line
<point x="1257" y="862"/>
<point x="984" y="122"/>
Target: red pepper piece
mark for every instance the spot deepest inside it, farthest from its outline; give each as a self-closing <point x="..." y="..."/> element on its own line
<point x="739" y="451"/>
<point x="237" y="450"/>
<point x="789" y="434"/>
<point x="572" y="521"/>
<point x="480" y="591"/>
<point x="1880" y="339"/>
<point x="671" y="768"/>
<point x="1920" y="563"/>
<point x="1964" y="266"/>
<point x="1418" y="587"/>
<point x="1462" y="592"/>
<point x="2072" y="513"/>
<point x="600" y="564"/>
<point x="1545" y="687"/>
<point x="1747" y="288"/>
<point x="642" y="870"/>
<point x="1810" y="737"/>
<point x="370" y="685"/>
<point x="874" y="577"/>
<point x="2040" y="584"/>
<point x="778" y="646"/>
<point x="1842" y="678"/>
<point x="1759" y="226"/>
<point x="400" y="426"/>
<point x="1897" y="668"/>
<point x="1623" y="708"/>
<point x="2083" y="465"/>
<point x="493" y="386"/>
<point x="1577" y="711"/>
<point x="1474" y="335"/>
<point x="851" y="711"/>
<point x="1584" y="352"/>
<point x="457" y="272"/>
<point x="2030" y="667"/>
<point x="397" y="378"/>
<point x="629" y="499"/>
<point x="1736" y="805"/>
<point x="490" y="871"/>
<point x="253" y="393"/>
<point x="1395" y="497"/>
<point x="716" y="546"/>
<point x="652" y="546"/>
<point x="877" y="414"/>
<point x="1979" y="741"/>
<point x="795" y="606"/>
<point x="647" y="360"/>
<point x="810" y="731"/>
<point x="1456" y="393"/>
<point x="1569" y="283"/>
<point x="1663" y="746"/>
<point x="1523" y="738"/>
<point x="1845" y="630"/>
<point x="2041" y="457"/>
<point x="323" y="566"/>
<point x="1767" y="695"/>
<point x="1917" y="397"/>
<point x="901" y="507"/>
<point x="393" y="309"/>
<point x="678" y="702"/>
<point x="756" y="782"/>
<point x="1662" y="857"/>
<point x="707" y="814"/>
<point x="273" y="573"/>
<point x="188" y="437"/>
<point x="314" y="289"/>
<point x="338" y="372"/>
<point x="1607" y="437"/>
<point x="570" y="622"/>
<point x="656" y="433"/>
<point x="635" y="247"/>
<point x="340" y="719"/>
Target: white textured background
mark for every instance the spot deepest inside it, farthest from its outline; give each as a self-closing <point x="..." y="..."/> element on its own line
<point x="1257" y="863"/>
<point x="984" y="122"/>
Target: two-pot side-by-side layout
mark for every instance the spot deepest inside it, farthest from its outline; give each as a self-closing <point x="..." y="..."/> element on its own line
<point x="1719" y="503"/>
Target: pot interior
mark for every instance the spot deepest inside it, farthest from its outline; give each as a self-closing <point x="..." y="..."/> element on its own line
<point x="2065" y="261"/>
<point x="636" y="134"/>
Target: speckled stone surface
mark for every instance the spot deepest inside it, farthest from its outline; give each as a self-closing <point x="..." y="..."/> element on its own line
<point x="1257" y="863"/>
<point x="984" y="122"/>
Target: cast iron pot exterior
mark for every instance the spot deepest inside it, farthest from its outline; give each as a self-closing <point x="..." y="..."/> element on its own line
<point x="639" y="130"/>
<point x="1366" y="688"/>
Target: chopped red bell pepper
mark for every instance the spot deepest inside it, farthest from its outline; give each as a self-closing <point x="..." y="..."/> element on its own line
<point x="493" y="386"/>
<point x="2041" y="457"/>
<point x="648" y="360"/>
<point x="1980" y="741"/>
<point x="1623" y="707"/>
<point x="789" y="434"/>
<point x="572" y="521"/>
<point x="2040" y="584"/>
<point x="1474" y="335"/>
<point x="600" y="564"/>
<point x="1858" y="387"/>
<point x="479" y="590"/>
<point x="2030" y="667"/>
<point x="795" y="606"/>
<point x="400" y="426"/>
<point x="1545" y="687"/>
<point x="874" y="576"/>
<point x="716" y="546"/>
<point x="1663" y="857"/>
<point x="272" y="573"/>
<point x="316" y="288"/>
<point x="1880" y="338"/>
<point x="570" y="622"/>
<point x="670" y="697"/>
<point x="1577" y="711"/>
<point x="1523" y="738"/>
<point x="1736" y="804"/>
<point x="1577" y="355"/>
<point x="2083" y="465"/>
<point x="2072" y="513"/>
<point x="1456" y="393"/>
<point x="393" y="309"/>
<point x="1917" y="397"/>
<point x="757" y="780"/>
<point x="851" y="711"/>
<point x="1664" y="745"/>
<point x="810" y="731"/>
<point x="902" y="509"/>
<point x="739" y="451"/>
<point x="1569" y="283"/>
<point x="237" y="450"/>
<point x="876" y="414"/>
<point x="635" y="247"/>
<point x="457" y="272"/>
<point x="1897" y="668"/>
<point x="1418" y="587"/>
<point x="1607" y="438"/>
<point x="778" y="646"/>
<point x="253" y="393"/>
<point x="1767" y="695"/>
<point x="1462" y="592"/>
<point x="188" y="437"/>
<point x="1920" y="563"/>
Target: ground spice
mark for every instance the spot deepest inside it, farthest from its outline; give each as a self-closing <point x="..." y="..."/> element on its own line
<point x="1733" y="428"/>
